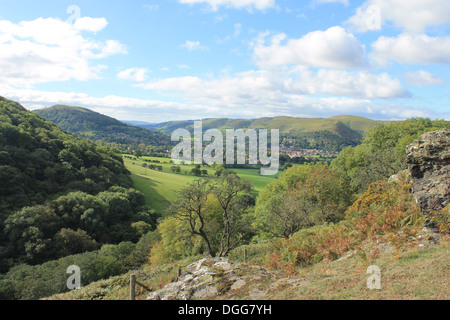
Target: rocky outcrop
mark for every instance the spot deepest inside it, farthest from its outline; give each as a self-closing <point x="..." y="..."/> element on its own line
<point x="212" y="277"/>
<point x="428" y="162"/>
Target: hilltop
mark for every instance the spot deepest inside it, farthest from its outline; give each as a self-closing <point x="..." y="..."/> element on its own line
<point x="331" y="134"/>
<point x="98" y="127"/>
<point x="316" y="133"/>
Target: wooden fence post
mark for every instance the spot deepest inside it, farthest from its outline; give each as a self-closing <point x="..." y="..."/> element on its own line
<point x="245" y="255"/>
<point x="132" y="287"/>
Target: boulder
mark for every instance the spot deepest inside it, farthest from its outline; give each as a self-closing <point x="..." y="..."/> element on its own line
<point x="211" y="277"/>
<point x="428" y="161"/>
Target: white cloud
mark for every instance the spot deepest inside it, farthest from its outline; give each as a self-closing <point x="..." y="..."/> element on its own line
<point x="133" y="74"/>
<point x="238" y="103"/>
<point x="422" y="78"/>
<point x="120" y="107"/>
<point x="411" y="49"/>
<point x="46" y="50"/>
<point x="411" y="15"/>
<point x="266" y="86"/>
<point x="193" y="45"/>
<point x="90" y="24"/>
<point x="332" y="48"/>
<point x="237" y="4"/>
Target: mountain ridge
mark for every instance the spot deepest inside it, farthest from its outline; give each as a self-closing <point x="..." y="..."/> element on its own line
<point x="95" y="126"/>
<point x="334" y="133"/>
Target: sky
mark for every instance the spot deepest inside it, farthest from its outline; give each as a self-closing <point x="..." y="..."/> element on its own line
<point x="156" y="61"/>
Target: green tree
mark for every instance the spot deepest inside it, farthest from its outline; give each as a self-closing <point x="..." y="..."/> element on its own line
<point x="212" y="210"/>
<point x="229" y="190"/>
<point x="303" y="196"/>
<point x="68" y="242"/>
<point x="382" y="152"/>
<point x="190" y="207"/>
<point x="196" y="171"/>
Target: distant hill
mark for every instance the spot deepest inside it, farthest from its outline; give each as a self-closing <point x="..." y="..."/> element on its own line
<point x="332" y="134"/>
<point x="98" y="127"/>
<point x="359" y="124"/>
<point x="318" y="133"/>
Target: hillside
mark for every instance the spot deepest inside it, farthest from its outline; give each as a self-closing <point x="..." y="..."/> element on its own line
<point x="415" y="274"/>
<point x="392" y="243"/>
<point x="316" y="133"/>
<point x="383" y="228"/>
<point x="95" y="126"/>
<point x="60" y="194"/>
<point x="38" y="160"/>
<point x="332" y="134"/>
<point x="358" y="124"/>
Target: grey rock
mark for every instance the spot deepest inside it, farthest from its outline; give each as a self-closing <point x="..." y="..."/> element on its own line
<point x="428" y="162"/>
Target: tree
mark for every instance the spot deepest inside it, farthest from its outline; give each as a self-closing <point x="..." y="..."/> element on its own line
<point x="68" y="242"/>
<point x="220" y="169"/>
<point x="303" y="196"/>
<point x="175" y="169"/>
<point x="288" y="215"/>
<point x="190" y="207"/>
<point x="137" y="153"/>
<point x="196" y="171"/>
<point x="382" y="152"/>
<point x="227" y="191"/>
<point x="212" y="209"/>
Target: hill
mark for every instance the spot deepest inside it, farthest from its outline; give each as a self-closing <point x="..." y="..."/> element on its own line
<point x="98" y="127"/>
<point x="59" y="194"/>
<point x="38" y="160"/>
<point x="358" y="124"/>
<point x="331" y="134"/>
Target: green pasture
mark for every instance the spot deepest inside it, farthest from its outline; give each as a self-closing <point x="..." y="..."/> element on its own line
<point x="160" y="188"/>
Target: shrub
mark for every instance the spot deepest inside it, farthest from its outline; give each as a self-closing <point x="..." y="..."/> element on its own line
<point x="385" y="213"/>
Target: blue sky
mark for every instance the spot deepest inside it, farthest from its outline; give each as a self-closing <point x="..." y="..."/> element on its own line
<point x="166" y="60"/>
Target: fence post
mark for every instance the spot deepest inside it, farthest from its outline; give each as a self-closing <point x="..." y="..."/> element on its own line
<point x="132" y="287"/>
<point x="179" y="274"/>
<point x="245" y="255"/>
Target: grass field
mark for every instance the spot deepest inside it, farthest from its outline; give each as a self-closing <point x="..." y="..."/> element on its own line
<point x="160" y="188"/>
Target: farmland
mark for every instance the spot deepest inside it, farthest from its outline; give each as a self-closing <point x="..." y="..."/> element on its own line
<point x="160" y="188"/>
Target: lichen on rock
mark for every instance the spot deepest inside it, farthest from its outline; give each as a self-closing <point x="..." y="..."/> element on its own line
<point x="428" y="161"/>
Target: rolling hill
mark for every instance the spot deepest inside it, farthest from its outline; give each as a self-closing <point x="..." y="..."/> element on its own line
<point x="331" y="134"/>
<point x="318" y="133"/>
<point x="95" y="126"/>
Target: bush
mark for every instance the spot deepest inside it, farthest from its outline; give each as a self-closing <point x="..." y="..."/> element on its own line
<point x="385" y="213"/>
<point x="302" y="197"/>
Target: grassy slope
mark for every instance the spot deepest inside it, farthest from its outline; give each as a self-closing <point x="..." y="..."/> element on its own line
<point x="92" y="124"/>
<point x="161" y="188"/>
<point x="284" y="124"/>
<point x="359" y="124"/>
<point x="414" y="274"/>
